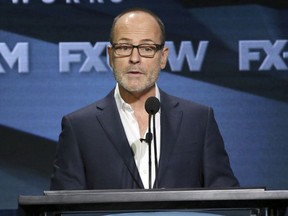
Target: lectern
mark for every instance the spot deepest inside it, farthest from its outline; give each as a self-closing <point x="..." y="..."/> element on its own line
<point x="256" y="201"/>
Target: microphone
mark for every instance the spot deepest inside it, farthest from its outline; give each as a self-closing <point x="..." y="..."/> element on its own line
<point x="152" y="106"/>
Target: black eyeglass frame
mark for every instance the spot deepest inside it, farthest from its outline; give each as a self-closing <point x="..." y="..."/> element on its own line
<point x="158" y="47"/>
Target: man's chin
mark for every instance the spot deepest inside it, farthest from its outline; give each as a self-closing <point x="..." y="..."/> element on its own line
<point x="138" y="89"/>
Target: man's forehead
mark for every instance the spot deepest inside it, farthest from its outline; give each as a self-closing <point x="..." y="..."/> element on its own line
<point x="138" y="16"/>
<point x="137" y="26"/>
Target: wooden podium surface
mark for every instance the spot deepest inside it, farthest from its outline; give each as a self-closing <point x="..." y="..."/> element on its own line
<point x="273" y="201"/>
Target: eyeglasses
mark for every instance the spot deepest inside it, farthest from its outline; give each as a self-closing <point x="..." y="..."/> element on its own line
<point x="144" y="50"/>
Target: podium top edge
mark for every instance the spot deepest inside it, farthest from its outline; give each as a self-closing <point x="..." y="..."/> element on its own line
<point x="151" y="191"/>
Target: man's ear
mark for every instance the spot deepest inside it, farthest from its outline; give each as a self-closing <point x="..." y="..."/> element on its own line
<point x="164" y="57"/>
<point x="110" y="53"/>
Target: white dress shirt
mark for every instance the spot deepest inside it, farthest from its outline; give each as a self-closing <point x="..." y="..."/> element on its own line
<point x="140" y="149"/>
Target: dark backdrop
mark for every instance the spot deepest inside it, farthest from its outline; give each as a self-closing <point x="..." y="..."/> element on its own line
<point x="231" y="56"/>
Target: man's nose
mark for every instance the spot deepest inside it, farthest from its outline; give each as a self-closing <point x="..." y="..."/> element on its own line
<point x="135" y="57"/>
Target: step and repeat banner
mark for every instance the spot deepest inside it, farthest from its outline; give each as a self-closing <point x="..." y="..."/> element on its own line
<point x="53" y="60"/>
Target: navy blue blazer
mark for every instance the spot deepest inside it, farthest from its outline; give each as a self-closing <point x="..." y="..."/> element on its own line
<point x="93" y="151"/>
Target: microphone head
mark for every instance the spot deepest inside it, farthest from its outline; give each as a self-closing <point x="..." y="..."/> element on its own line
<point x="152" y="105"/>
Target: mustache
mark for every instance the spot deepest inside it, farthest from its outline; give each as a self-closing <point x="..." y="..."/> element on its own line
<point x="128" y="69"/>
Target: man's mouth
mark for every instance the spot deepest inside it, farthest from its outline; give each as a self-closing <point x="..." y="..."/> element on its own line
<point x="134" y="72"/>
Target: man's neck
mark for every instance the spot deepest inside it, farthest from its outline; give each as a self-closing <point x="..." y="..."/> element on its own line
<point x="137" y="99"/>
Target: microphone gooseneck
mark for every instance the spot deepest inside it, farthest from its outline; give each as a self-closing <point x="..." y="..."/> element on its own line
<point x="152" y="106"/>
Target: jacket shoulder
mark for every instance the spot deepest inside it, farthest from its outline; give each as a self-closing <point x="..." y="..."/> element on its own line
<point x="183" y="104"/>
<point x="93" y="108"/>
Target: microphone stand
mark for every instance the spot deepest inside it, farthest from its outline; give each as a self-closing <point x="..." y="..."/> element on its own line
<point x="155" y="151"/>
<point x="149" y="140"/>
<point x="152" y="106"/>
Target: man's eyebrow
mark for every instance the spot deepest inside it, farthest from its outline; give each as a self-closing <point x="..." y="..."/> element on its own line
<point x="128" y="40"/>
<point x="125" y="39"/>
<point x="147" y="40"/>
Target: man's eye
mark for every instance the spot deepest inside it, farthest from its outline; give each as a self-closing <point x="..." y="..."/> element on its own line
<point x="147" y="48"/>
<point x="123" y="48"/>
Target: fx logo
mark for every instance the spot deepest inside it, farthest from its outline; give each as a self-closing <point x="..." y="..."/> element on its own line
<point x="263" y="51"/>
<point x="72" y="53"/>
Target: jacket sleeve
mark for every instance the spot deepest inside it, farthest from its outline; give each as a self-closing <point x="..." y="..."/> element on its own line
<point x="217" y="169"/>
<point x="68" y="168"/>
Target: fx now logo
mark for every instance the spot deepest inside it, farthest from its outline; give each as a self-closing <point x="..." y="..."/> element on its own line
<point x="72" y="54"/>
<point x="89" y="58"/>
<point x="264" y="54"/>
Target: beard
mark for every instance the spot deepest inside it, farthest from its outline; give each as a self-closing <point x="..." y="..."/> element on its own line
<point x="136" y="84"/>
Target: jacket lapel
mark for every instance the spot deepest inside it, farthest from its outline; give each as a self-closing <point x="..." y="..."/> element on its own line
<point x="107" y="115"/>
<point x="171" y="119"/>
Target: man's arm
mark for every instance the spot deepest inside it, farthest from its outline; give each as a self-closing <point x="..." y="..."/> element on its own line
<point x="217" y="169"/>
<point x="68" y="168"/>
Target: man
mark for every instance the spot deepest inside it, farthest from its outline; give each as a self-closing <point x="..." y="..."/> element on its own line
<point x="101" y="145"/>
